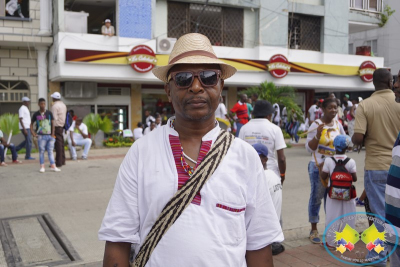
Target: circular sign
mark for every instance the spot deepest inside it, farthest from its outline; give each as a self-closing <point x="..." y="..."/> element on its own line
<point x="278" y="66"/>
<point x="142" y="58"/>
<point x="366" y="71"/>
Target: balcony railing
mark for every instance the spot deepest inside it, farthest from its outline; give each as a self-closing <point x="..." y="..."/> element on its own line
<point x="367" y="5"/>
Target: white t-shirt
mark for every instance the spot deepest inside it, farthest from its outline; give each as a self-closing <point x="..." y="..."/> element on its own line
<point x="329" y="164"/>
<point x="221" y="111"/>
<point x="204" y="235"/>
<point x="311" y="111"/>
<point x="264" y="132"/>
<point x="284" y="115"/>
<point x="147" y="130"/>
<point x="325" y="146"/>
<point x="26" y="117"/>
<point x="275" y="189"/>
<point x="148" y="119"/>
<point x="137" y="133"/>
<point x="76" y="134"/>
<point x="276" y="118"/>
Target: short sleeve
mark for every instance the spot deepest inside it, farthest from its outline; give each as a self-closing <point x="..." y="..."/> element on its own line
<point x="72" y="127"/>
<point x="312" y="132"/>
<point x="279" y="140"/>
<point x="327" y="165"/>
<point x="34" y="117"/>
<point x="51" y="115"/>
<point x="262" y="223"/>
<point x="235" y="108"/>
<point x="351" y="166"/>
<point x="361" y="120"/>
<point x="21" y="112"/>
<point x="84" y="129"/>
<point x="121" y="221"/>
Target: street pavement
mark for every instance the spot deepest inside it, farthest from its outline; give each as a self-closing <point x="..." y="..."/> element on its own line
<point x="76" y="199"/>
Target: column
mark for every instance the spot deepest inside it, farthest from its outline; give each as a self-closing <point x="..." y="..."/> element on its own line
<point x="42" y="73"/>
<point x="45" y="17"/>
<point x="136" y="105"/>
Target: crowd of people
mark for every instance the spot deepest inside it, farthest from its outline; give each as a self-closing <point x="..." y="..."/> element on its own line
<point x="48" y="128"/>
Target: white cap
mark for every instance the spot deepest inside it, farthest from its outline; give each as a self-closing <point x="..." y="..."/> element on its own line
<point x="107" y="20"/>
<point x="25" y="99"/>
<point x="56" y="95"/>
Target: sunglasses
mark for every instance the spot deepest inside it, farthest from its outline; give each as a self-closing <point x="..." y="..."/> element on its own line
<point x="184" y="79"/>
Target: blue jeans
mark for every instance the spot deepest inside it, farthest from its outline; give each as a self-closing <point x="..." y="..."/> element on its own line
<point x="238" y="127"/>
<point x="375" y="185"/>
<point x="13" y="152"/>
<point x="27" y="144"/>
<point x="295" y="129"/>
<point x="316" y="195"/>
<point x="46" y="142"/>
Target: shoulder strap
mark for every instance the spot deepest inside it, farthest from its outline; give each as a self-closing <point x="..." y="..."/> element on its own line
<point x="334" y="160"/>
<point x="183" y="197"/>
<point x="346" y="161"/>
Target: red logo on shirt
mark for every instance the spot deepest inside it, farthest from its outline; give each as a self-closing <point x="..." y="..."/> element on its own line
<point x="142" y="58"/>
<point x="366" y="71"/>
<point x="278" y="66"/>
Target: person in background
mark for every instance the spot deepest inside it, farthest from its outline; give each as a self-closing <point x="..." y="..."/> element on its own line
<point x="392" y="193"/>
<point x="311" y="111"/>
<point x="377" y="124"/>
<point x="351" y="115"/>
<point x="254" y="98"/>
<point x="43" y="120"/>
<point x="79" y="136"/>
<point x="249" y="107"/>
<point x="320" y="137"/>
<point x="149" y="118"/>
<point x="319" y="113"/>
<point x="332" y="95"/>
<point x="25" y="126"/>
<point x="72" y="113"/>
<point x="275" y="189"/>
<point x="3" y="146"/>
<point x="13" y="9"/>
<point x="346" y="100"/>
<point x="240" y="109"/>
<point x="158" y="121"/>
<point x="150" y="128"/>
<point x="276" y="118"/>
<point x="107" y="28"/>
<point x="164" y="116"/>
<point x="138" y="132"/>
<point x="284" y="118"/>
<point x="221" y="113"/>
<point x="59" y="111"/>
<point x="295" y="129"/>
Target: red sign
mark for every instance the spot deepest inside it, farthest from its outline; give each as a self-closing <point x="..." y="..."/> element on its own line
<point x="278" y="66"/>
<point x="366" y="71"/>
<point x="142" y="58"/>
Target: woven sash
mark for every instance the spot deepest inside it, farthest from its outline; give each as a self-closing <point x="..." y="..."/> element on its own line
<point x="183" y="197"/>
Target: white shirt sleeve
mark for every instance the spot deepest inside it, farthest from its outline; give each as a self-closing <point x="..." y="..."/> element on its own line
<point x="279" y="139"/>
<point x="262" y="223"/>
<point x="84" y="129"/>
<point x="351" y="166"/>
<point x="72" y="128"/>
<point x="328" y="165"/>
<point x="223" y="110"/>
<point x="121" y="221"/>
<point x="312" y="132"/>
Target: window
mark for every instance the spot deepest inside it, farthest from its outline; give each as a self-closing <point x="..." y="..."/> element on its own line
<point x="222" y="25"/>
<point x="304" y="32"/>
<point x="13" y="91"/>
<point x="351" y="49"/>
<point x="374" y="46"/>
<point x="14" y="9"/>
<point x="368" y="5"/>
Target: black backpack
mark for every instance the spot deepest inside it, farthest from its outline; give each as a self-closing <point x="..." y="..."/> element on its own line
<point x="68" y="121"/>
<point x="341" y="186"/>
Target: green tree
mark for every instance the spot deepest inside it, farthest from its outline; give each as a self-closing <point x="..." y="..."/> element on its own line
<point x="95" y="123"/>
<point x="283" y="95"/>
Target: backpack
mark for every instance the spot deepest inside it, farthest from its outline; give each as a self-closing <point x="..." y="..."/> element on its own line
<point x="68" y="121"/>
<point x="341" y="187"/>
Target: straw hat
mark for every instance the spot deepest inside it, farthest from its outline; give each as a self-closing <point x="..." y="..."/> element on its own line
<point x="193" y="48"/>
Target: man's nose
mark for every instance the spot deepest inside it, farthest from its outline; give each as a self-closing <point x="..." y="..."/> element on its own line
<point x="196" y="87"/>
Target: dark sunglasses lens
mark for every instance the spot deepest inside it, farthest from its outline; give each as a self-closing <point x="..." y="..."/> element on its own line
<point x="209" y="77"/>
<point x="183" y="79"/>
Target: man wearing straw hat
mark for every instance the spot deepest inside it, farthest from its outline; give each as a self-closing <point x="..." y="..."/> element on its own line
<point x="196" y="206"/>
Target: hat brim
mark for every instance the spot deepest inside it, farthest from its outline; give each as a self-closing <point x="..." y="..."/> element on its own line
<point x="226" y="69"/>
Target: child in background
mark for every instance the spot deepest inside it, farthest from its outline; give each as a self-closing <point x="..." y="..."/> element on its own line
<point x="337" y="207"/>
<point x="275" y="189"/>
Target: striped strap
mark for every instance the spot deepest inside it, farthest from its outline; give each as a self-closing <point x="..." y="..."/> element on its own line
<point x="184" y="197"/>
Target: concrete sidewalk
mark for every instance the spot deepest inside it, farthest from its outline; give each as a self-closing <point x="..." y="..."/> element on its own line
<point x="76" y="199"/>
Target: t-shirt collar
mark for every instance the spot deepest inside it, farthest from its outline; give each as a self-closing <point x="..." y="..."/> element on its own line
<point x="384" y="91"/>
<point x="211" y="135"/>
<point x="240" y="103"/>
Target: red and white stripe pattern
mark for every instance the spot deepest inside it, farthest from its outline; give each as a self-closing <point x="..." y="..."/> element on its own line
<point x="230" y="209"/>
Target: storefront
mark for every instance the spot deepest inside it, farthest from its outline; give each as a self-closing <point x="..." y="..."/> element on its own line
<point x="115" y="76"/>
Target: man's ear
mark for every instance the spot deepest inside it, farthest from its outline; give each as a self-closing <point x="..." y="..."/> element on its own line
<point x="168" y="91"/>
<point x="222" y="85"/>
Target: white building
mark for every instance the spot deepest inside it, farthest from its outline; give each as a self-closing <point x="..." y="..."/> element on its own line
<point x="92" y="71"/>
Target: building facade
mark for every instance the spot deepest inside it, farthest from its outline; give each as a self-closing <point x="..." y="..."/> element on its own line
<point x="25" y="38"/>
<point x="300" y="43"/>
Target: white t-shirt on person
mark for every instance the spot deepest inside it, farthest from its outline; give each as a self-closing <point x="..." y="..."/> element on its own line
<point x="275" y="189"/>
<point x="325" y="146"/>
<point x="76" y="134"/>
<point x="276" y="118"/>
<point x="205" y="234"/>
<point x="264" y="132"/>
<point x="24" y="113"/>
<point x="221" y="111"/>
<point x="311" y="111"/>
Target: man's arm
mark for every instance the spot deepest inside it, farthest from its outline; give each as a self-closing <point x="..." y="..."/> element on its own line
<point x="281" y="164"/>
<point x="116" y="254"/>
<point x="357" y="139"/>
<point x="82" y="133"/>
<point x="53" y="128"/>
<point x="260" y="258"/>
<point x="23" y="127"/>
<point x="324" y="175"/>
<point x="360" y="126"/>
<point x="71" y="135"/>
